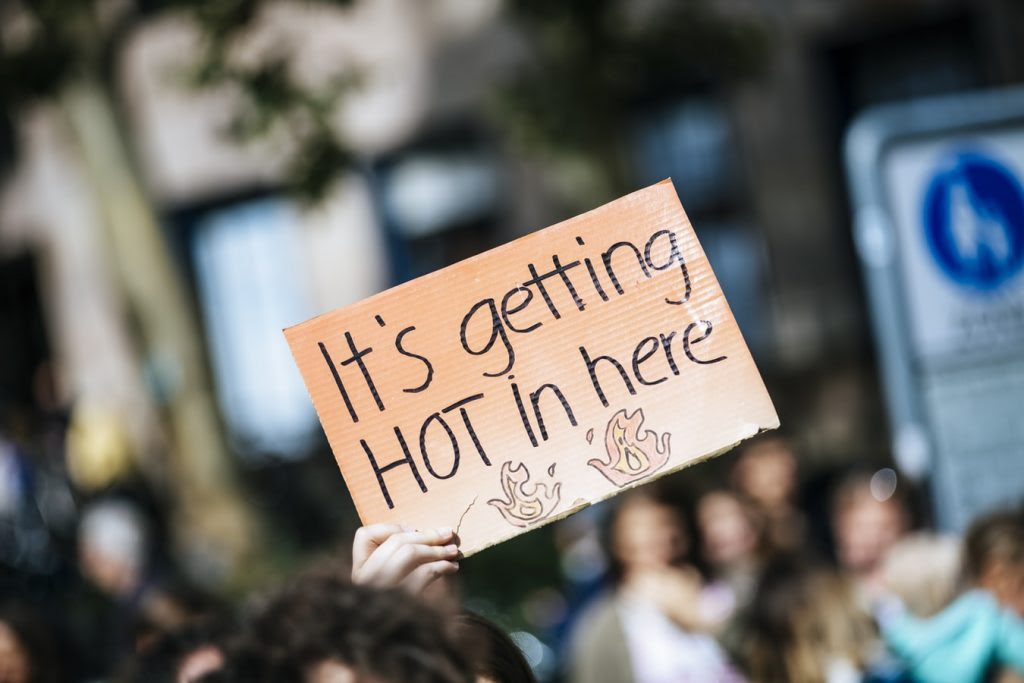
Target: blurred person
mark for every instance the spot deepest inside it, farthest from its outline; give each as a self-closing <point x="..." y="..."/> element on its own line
<point x="114" y="551"/>
<point x="496" y="658"/>
<point x="185" y="655"/>
<point x="980" y="636"/>
<point x="646" y="628"/>
<point x="172" y="608"/>
<point x="15" y="661"/>
<point x="766" y="474"/>
<point x="994" y="558"/>
<point x="113" y="547"/>
<point x="391" y="555"/>
<point x="27" y="652"/>
<point x="804" y="626"/>
<point x="321" y="628"/>
<point x="867" y="521"/>
<point x="923" y="572"/>
<point x="731" y="533"/>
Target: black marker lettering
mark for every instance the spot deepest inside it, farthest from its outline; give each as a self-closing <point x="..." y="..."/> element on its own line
<point x="406" y="460"/>
<point x="357" y="358"/>
<point x="607" y="258"/>
<point x="687" y="342"/>
<point x="675" y="256"/>
<point x="535" y="402"/>
<point x="666" y="345"/>
<point x="595" y="280"/>
<point x="522" y="414"/>
<point x="639" y="358"/>
<point x="497" y="331"/>
<point x="451" y="436"/>
<point x="539" y="281"/>
<point x="593" y="273"/>
<point x="592" y="371"/>
<point x="469" y="424"/>
<point x="506" y="311"/>
<point x="562" y="273"/>
<point x="337" y="380"/>
<point x="402" y="350"/>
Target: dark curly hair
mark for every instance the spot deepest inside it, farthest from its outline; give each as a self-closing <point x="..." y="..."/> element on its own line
<point x="381" y="633"/>
<point x="497" y="657"/>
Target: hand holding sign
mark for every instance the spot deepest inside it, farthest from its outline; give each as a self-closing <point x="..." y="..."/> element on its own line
<point x="388" y="555"/>
<point x="527" y="382"/>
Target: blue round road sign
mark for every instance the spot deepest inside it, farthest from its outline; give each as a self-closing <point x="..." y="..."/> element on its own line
<point x="974" y="221"/>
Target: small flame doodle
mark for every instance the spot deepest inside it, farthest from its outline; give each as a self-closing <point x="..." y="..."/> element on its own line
<point x="524" y="504"/>
<point x="631" y="457"/>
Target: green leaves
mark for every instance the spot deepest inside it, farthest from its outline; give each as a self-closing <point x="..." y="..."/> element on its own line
<point x="47" y="43"/>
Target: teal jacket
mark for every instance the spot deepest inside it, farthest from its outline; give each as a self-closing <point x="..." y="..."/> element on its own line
<point x="959" y="644"/>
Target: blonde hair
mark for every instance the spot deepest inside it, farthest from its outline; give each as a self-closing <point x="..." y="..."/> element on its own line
<point x="802" y="621"/>
<point x="923" y="570"/>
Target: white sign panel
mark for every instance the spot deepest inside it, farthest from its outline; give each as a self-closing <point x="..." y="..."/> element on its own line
<point x="938" y="190"/>
<point x="958" y="211"/>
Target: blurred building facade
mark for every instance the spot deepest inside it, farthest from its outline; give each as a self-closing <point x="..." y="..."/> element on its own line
<point x="757" y="164"/>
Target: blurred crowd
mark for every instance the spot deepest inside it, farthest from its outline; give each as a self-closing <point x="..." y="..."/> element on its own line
<point x="746" y="579"/>
<point x="737" y="587"/>
<point x="181" y="179"/>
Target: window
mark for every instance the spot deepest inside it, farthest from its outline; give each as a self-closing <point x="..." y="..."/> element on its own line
<point x="251" y="283"/>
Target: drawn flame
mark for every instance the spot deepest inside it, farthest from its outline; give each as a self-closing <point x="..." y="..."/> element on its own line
<point x="630" y="456"/>
<point x="524" y="504"/>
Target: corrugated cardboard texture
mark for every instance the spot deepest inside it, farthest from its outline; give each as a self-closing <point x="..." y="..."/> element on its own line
<point x="524" y="383"/>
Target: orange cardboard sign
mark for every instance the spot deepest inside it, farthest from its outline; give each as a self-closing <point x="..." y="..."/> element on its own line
<point x="525" y="383"/>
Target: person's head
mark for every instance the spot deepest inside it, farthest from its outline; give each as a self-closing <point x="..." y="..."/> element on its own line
<point x="994" y="557"/>
<point x="323" y="629"/>
<point x="646" y="530"/>
<point x="171" y="607"/>
<point x="730" y="530"/>
<point x="766" y="472"/>
<point x="496" y="659"/>
<point x="15" y="661"/>
<point x="802" y="620"/>
<point x="923" y="570"/>
<point x="184" y="655"/>
<point x="27" y="653"/>
<point x="868" y="518"/>
<point x="113" y="545"/>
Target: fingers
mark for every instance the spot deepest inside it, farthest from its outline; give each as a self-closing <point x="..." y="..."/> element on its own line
<point x="426" y="574"/>
<point x="389" y="565"/>
<point x="406" y="538"/>
<point x="368" y="538"/>
<point x="408" y="558"/>
<point x="389" y="554"/>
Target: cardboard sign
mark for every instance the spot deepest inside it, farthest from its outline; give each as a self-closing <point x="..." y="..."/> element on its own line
<point x="525" y="383"/>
